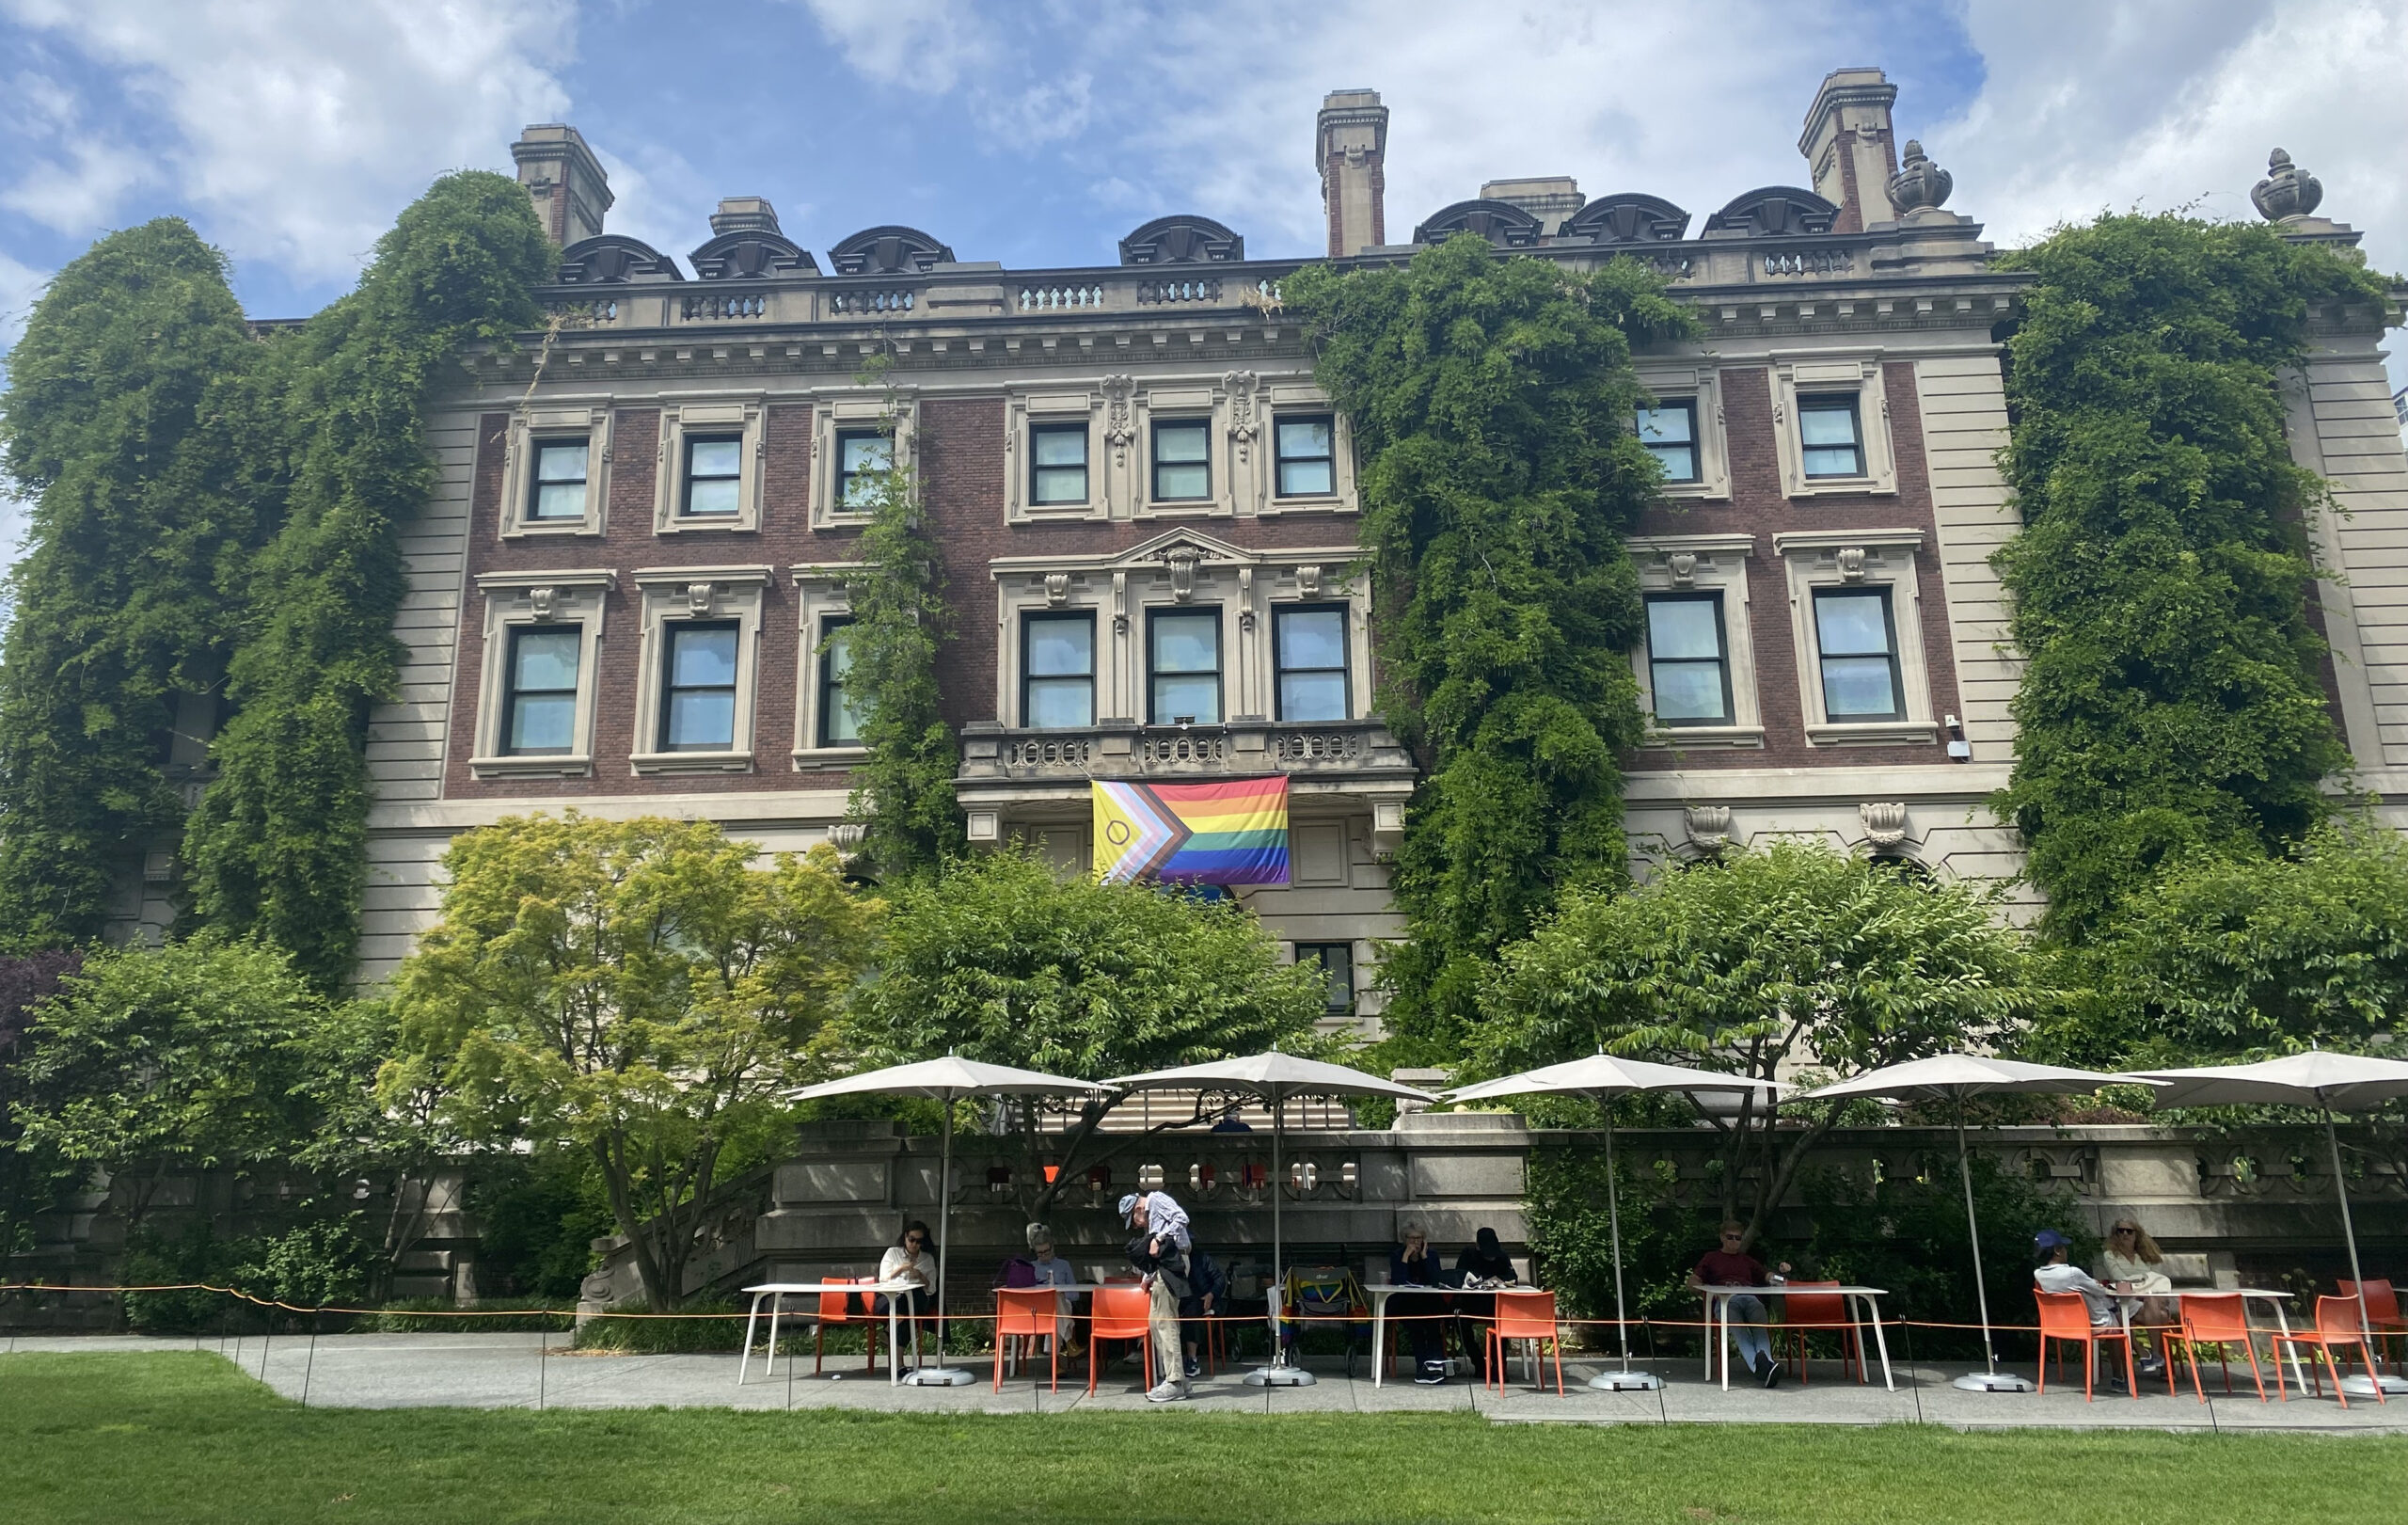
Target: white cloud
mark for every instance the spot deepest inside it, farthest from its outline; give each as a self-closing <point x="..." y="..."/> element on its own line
<point x="294" y="129"/>
<point x="922" y="45"/>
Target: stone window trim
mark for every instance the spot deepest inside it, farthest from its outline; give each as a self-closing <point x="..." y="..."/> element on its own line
<point x="532" y="426"/>
<point x="1173" y="570"/>
<point x="537" y="600"/>
<point x="822" y="593"/>
<point x="1702" y="388"/>
<point x="1200" y="402"/>
<point x="845" y="413"/>
<point x="1025" y="411"/>
<point x="670" y="595"/>
<point x="1262" y="464"/>
<point x="1704" y="563"/>
<point x="707" y="418"/>
<point x="1827" y="376"/>
<point x="1867" y="559"/>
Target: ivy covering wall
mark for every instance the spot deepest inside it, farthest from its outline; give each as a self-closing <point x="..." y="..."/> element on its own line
<point x="1491" y="399"/>
<point x="2172" y="702"/>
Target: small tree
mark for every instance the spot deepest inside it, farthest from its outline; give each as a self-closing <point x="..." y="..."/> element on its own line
<point x="1000" y="959"/>
<point x="633" y="988"/>
<point x="186" y="1056"/>
<point x="1795" y="955"/>
<point x="30" y="1179"/>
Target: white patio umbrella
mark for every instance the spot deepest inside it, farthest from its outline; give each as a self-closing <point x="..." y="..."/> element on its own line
<point x="1601" y="1078"/>
<point x="1955" y="1077"/>
<point x="2328" y="1082"/>
<point x="1275" y="1077"/>
<point x="947" y="1081"/>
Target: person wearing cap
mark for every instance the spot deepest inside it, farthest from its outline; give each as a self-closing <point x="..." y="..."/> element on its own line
<point x="2052" y="1272"/>
<point x="1160" y="1251"/>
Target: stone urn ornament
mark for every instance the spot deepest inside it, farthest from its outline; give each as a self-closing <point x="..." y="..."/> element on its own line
<point x="2286" y="192"/>
<point x="1919" y="185"/>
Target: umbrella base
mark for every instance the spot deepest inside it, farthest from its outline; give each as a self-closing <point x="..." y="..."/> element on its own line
<point x="1626" y="1381"/>
<point x="1279" y="1376"/>
<point x="2360" y="1387"/>
<point x="1992" y="1382"/>
<point x="938" y="1377"/>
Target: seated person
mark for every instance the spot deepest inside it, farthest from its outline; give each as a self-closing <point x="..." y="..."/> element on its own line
<point x="1411" y="1265"/>
<point x="1729" y="1265"/>
<point x="1052" y="1270"/>
<point x="2133" y="1259"/>
<point x="1208" y="1288"/>
<point x="2050" y="1272"/>
<point x="1482" y="1261"/>
<point x="911" y="1261"/>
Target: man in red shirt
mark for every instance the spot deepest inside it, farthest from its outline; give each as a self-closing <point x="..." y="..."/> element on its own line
<point x="1730" y="1265"/>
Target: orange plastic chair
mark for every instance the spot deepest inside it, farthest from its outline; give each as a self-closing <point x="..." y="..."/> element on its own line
<point x="1803" y="1312"/>
<point x="2065" y="1317"/>
<point x="2223" y="1320"/>
<point x="1524" y="1315"/>
<point x="836" y="1307"/>
<point x="1120" y="1313"/>
<point x="2338" y="1327"/>
<point x="2383" y="1310"/>
<point x="1027" y="1314"/>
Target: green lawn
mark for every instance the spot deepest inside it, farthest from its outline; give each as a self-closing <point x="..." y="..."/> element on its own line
<point x="182" y="1437"/>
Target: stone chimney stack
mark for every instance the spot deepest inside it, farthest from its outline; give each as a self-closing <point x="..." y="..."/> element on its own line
<point x="1351" y="148"/>
<point x="1550" y="198"/>
<point x="744" y="214"/>
<point x="1849" y="144"/>
<point x="566" y="182"/>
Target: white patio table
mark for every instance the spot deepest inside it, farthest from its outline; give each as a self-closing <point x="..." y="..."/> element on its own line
<point x="1379" y="1292"/>
<point x="2257" y="1297"/>
<point x="1864" y="1300"/>
<point x="776" y="1292"/>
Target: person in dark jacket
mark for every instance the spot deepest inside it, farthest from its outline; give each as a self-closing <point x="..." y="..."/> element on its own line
<point x="1206" y="1289"/>
<point x="1482" y="1261"/>
<point x="1412" y="1264"/>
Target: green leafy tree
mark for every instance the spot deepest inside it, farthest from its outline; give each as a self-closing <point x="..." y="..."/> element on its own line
<point x="634" y="989"/>
<point x="2221" y="955"/>
<point x="278" y="846"/>
<point x="1003" y="959"/>
<point x="1796" y="955"/>
<point x="154" y="1061"/>
<point x="31" y="1179"/>
<point x="1492" y="401"/>
<point x="2171" y="699"/>
<point x="133" y="423"/>
<point x="903" y="788"/>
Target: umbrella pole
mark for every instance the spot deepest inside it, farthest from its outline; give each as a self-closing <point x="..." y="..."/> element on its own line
<point x="2375" y="1382"/>
<point x="1278" y="1373"/>
<point x="1989" y="1380"/>
<point x="941" y="1375"/>
<point x="1624" y="1380"/>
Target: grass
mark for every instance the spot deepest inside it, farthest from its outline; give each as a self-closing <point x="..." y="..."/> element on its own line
<point x="181" y="1436"/>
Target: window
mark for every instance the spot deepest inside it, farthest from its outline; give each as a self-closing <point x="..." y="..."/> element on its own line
<point x="1670" y="433"/>
<point x="559" y="481"/>
<point x="1336" y="961"/>
<point x="1310" y="647"/>
<point x="1687" y="664"/>
<point x="1859" y="644"/>
<point x="1307" y="465"/>
<point x="714" y="469"/>
<point x="1182" y="460"/>
<point x="540" y="714"/>
<point x="1183" y="662"/>
<point x="862" y="456"/>
<point x="698" y="700"/>
<point x="1058" y="463"/>
<point x="1829" y="442"/>
<point x="840" y="719"/>
<point x="1057" y="671"/>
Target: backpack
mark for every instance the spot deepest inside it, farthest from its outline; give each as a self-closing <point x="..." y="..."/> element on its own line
<point x="1020" y="1271"/>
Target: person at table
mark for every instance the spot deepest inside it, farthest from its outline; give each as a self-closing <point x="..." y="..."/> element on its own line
<point x="1482" y="1263"/>
<point x="1412" y="1264"/>
<point x="1728" y="1265"/>
<point x="2052" y="1272"/>
<point x="1208" y="1288"/>
<point x="2132" y="1260"/>
<point x="912" y="1259"/>
<point x="1048" y="1269"/>
<point x="1160" y="1253"/>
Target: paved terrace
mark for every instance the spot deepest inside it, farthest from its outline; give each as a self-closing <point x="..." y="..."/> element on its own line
<point x="499" y="1370"/>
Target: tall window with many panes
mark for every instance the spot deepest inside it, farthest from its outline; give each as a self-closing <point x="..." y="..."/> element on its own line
<point x="1183" y="667"/>
<point x="714" y="476"/>
<point x="1830" y="436"/>
<point x="1308" y="648"/>
<point x="1688" y="666"/>
<point x="1182" y="460"/>
<point x="1857" y="637"/>
<point x="559" y="481"/>
<point x="840" y="715"/>
<point x="698" y="698"/>
<point x="1058" y="463"/>
<point x="1669" y="430"/>
<point x="1057" y="671"/>
<point x="1307" y="459"/>
<point x="540" y="716"/>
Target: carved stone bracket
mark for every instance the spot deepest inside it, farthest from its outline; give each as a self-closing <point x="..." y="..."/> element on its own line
<point x="701" y="598"/>
<point x="1181" y="562"/>
<point x="1241" y="386"/>
<point x="545" y="602"/>
<point x="1058" y="589"/>
<point x="1885" y="823"/>
<point x="1852" y="560"/>
<point x="1119" y="427"/>
<point x="1709" y="826"/>
<point x="1308" y="581"/>
<point x="1683" y="564"/>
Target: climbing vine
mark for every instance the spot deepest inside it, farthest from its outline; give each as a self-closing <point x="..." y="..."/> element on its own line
<point x="133" y="422"/>
<point x="1491" y="401"/>
<point x="903" y="788"/>
<point x="2172" y="700"/>
<point x="278" y="846"/>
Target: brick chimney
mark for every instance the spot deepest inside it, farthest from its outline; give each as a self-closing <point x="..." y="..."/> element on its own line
<point x="566" y="182"/>
<point x="1350" y="146"/>
<point x="1847" y="142"/>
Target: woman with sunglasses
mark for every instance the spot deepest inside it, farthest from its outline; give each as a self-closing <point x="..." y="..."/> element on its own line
<point x="2133" y="1262"/>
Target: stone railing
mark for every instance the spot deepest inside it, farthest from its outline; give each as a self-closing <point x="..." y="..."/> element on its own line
<point x="1123" y="749"/>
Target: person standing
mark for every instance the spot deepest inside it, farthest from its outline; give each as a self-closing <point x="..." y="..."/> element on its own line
<point x="1160" y="1251"/>
<point x="1730" y="1265"/>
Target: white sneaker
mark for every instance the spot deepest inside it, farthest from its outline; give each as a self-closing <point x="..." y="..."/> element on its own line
<point x="1167" y="1391"/>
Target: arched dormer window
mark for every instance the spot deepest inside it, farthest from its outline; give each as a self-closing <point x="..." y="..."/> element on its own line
<point x="614" y="258"/>
<point x="1627" y="217"/>
<point x="1501" y="223"/>
<point x="1182" y="239"/>
<point x="889" y="251"/>
<point x="1775" y="211"/>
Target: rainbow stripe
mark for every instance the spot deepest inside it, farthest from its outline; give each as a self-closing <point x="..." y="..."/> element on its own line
<point x="1229" y="832"/>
